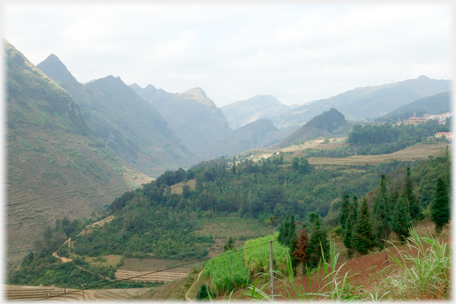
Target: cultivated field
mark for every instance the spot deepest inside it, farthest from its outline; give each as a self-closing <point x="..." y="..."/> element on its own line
<point x="416" y="152"/>
<point x="34" y="293"/>
<point x="146" y="269"/>
<point x="238" y="228"/>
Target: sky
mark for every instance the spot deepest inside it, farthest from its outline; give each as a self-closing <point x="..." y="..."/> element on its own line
<point x="297" y="51"/>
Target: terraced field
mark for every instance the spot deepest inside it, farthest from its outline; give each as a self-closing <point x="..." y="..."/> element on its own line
<point x="34" y="293"/>
<point x="416" y="152"/>
<point x="146" y="269"/>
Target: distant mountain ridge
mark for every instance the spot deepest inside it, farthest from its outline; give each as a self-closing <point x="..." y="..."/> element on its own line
<point x="243" y="112"/>
<point x="134" y="129"/>
<point x="366" y="102"/>
<point x="192" y="116"/>
<point x="258" y="134"/>
<point x="435" y="104"/>
<point x="330" y="123"/>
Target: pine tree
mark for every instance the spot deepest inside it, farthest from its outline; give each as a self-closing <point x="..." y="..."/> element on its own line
<point x="318" y="242"/>
<point x="301" y="247"/>
<point x="355" y="208"/>
<point x="381" y="214"/>
<point x="415" y="210"/>
<point x="292" y="248"/>
<point x="402" y="220"/>
<point x="343" y="214"/>
<point x="440" y="208"/>
<point x="348" y="232"/>
<point x="363" y="237"/>
<point x="283" y="232"/>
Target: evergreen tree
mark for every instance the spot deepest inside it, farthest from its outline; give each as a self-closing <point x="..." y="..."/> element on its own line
<point x="348" y="232"/>
<point x="355" y="208"/>
<point x="300" y="251"/>
<point x="381" y="214"/>
<point x="283" y="237"/>
<point x="363" y="237"/>
<point x="402" y="220"/>
<point x="415" y="210"/>
<point x="344" y="208"/>
<point x="440" y="208"/>
<point x="292" y="248"/>
<point x="318" y="242"/>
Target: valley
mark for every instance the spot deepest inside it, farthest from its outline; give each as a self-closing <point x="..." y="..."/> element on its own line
<point x="144" y="194"/>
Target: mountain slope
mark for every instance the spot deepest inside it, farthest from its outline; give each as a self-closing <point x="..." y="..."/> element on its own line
<point x="243" y="112"/>
<point x="193" y="117"/>
<point x="435" y="104"/>
<point x="134" y="129"/>
<point x="57" y="165"/>
<point x="366" y="102"/>
<point x="329" y="123"/>
<point x="258" y="134"/>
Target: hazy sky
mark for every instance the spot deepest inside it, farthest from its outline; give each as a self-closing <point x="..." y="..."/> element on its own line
<point x="297" y="52"/>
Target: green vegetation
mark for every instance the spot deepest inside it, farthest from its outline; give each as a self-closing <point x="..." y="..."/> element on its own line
<point x="256" y="254"/>
<point x="227" y="271"/>
<point x="382" y="139"/>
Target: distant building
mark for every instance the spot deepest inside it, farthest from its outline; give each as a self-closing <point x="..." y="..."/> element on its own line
<point x="448" y="135"/>
<point x="416" y="120"/>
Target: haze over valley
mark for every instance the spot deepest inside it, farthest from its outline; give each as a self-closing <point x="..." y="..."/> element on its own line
<point x="162" y="164"/>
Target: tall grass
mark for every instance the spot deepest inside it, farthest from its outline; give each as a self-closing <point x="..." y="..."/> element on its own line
<point x="227" y="271"/>
<point x="424" y="270"/>
<point x="423" y="273"/>
<point x="256" y="254"/>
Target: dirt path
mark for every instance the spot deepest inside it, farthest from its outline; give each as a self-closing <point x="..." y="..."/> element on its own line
<point x="186" y="295"/>
<point x="66" y="260"/>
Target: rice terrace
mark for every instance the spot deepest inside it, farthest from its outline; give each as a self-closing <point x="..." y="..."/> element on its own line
<point x="212" y="153"/>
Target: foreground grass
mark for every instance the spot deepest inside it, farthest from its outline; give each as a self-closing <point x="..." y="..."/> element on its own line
<point x="420" y="272"/>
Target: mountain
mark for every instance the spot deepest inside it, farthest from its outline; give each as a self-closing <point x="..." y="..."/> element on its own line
<point x="133" y="128"/>
<point x="330" y="123"/>
<point x="258" y="134"/>
<point x="366" y="102"/>
<point x="435" y="104"/>
<point x="56" y="164"/>
<point x="157" y="98"/>
<point x="243" y="112"/>
<point x="193" y="117"/>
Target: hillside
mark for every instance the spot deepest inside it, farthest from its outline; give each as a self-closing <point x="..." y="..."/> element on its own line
<point x="157" y="98"/>
<point x="243" y="112"/>
<point x="134" y="129"/>
<point x="435" y="104"/>
<point x="57" y="165"/>
<point x="330" y="123"/>
<point x="366" y="102"/>
<point x="195" y="118"/>
<point x="258" y="134"/>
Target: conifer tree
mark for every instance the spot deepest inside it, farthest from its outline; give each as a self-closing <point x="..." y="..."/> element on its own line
<point x="301" y="247"/>
<point x="283" y="237"/>
<point x="402" y="220"/>
<point x="355" y="208"/>
<point x="292" y="247"/>
<point x="415" y="210"/>
<point x="348" y="232"/>
<point x="318" y="242"/>
<point x="363" y="237"/>
<point x="440" y="208"/>
<point x="343" y="214"/>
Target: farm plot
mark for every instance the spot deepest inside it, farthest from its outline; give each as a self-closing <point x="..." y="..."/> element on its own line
<point x="147" y="270"/>
<point x="35" y="293"/>
<point x="177" y="188"/>
<point x="419" y="151"/>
